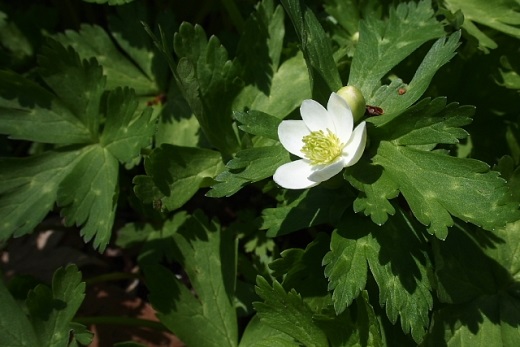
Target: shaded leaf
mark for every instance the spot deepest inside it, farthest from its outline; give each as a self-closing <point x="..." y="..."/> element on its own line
<point x="303" y="209"/>
<point x="88" y="195"/>
<point x="51" y="310"/>
<point x="288" y="313"/>
<point x="178" y="173"/>
<point x="316" y="48"/>
<point x="208" y="81"/>
<point x="92" y="41"/>
<point x="249" y="165"/>
<point x="398" y="261"/>
<point x="28" y="189"/>
<point x="501" y="15"/>
<point x="208" y="256"/>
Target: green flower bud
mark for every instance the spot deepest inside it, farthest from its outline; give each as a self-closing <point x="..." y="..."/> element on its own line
<point x="355" y="100"/>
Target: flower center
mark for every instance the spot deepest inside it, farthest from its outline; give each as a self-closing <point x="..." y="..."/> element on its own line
<point x="321" y="148"/>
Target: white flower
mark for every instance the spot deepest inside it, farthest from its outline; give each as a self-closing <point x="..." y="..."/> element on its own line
<point x="325" y="141"/>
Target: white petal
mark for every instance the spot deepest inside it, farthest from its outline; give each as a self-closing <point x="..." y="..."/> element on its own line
<point x="323" y="174"/>
<point x="291" y="133"/>
<point x="355" y="147"/>
<point x="315" y="116"/>
<point x="341" y="115"/>
<point x="294" y="175"/>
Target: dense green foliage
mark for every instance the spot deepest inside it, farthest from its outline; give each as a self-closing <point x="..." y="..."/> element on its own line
<point x="151" y="127"/>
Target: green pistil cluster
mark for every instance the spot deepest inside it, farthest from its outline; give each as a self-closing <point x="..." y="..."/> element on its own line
<point x="321" y="148"/>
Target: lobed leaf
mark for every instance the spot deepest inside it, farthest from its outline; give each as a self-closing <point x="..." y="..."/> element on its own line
<point x="51" y="310"/>
<point x="82" y="179"/>
<point x="78" y="84"/>
<point x="288" y="313"/>
<point x="49" y="313"/>
<point x="28" y="189"/>
<point x="258" y="123"/>
<point x="29" y="112"/>
<point x="398" y="261"/>
<point x="385" y="43"/>
<point x="126" y="129"/>
<point x="397" y="97"/>
<point x="434" y="184"/>
<point x="208" y="81"/>
<point x="88" y="195"/>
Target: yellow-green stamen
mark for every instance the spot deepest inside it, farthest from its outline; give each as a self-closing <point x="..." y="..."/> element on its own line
<point x="321" y="148"/>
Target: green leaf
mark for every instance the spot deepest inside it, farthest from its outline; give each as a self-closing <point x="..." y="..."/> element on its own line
<point x="155" y="243"/>
<point x="15" y="327"/>
<point x="270" y="87"/>
<point x="303" y="209"/>
<point x="260" y="45"/>
<point x="179" y="172"/>
<point x="258" y="334"/>
<point x="346" y="13"/>
<point x="126" y="131"/>
<point x="376" y="189"/>
<point x="51" y="310"/>
<point x="78" y="84"/>
<point x="428" y="123"/>
<point x="353" y="328"/>
<point x="207" y="254"/>
<point x="385" y="43"/>
<point x="28" y="189"/>
<point x="32" y="113"/>
<point x="82" y="179"/>
<point x="388" y="97"/>
<point x="249" y="165"/>
<point x="208" y="81"/>
<point x="316" y="48"/>
<point x="127" y="30"/>
<point x="289" y="87"/>
<point x="398" y="260"/>
<point x="302" y="271"/>
<point x="88" y="195"/>
<point x="288" y="313"/>
<point x="486" y="308"/>
<point x="177" y="125"/>
<point x="501" y="15"/>
<point x="92" y="41"/>
<point x="433" y="183"/>
<point x="258" y="123"/>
